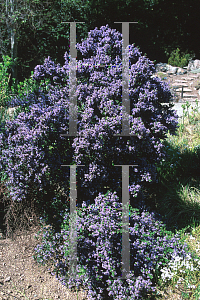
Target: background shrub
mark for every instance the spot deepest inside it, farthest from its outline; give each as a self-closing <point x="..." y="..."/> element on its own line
<point x="7" y="90"/>
<point x="178" y="59"/>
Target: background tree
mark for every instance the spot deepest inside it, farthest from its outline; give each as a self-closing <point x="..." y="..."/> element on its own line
<point x="41" y="31"/>
<point x="13" y="13"/>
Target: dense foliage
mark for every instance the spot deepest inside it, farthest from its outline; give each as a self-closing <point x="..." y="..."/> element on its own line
<point x="178" y="59"/>
<point x="162" y="27"/>
<point x="99" y="232"/>
<point x="4" y="80"/>
<point x="33" y="139"/>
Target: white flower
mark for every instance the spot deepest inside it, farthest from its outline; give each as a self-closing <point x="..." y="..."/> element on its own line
<point x="179" y="280"/>
<point x="191" y="286"/>
<point x="166" y="274"/>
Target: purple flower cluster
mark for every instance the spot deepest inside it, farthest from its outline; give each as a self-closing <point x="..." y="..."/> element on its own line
<point x="100" y="101"/>
<point x="99" y="232"/>
<point x="31" y="151"/>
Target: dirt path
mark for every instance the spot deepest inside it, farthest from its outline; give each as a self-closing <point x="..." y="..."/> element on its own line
<point x="33" y="282"/>
<point x="190" y="82"/>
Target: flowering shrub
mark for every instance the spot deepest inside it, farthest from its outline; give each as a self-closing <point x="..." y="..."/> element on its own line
<point x="26" y="155"/>
<point x="99" y="232"/>
<point x="32" y="152"/>
<point x="100" y="98"/>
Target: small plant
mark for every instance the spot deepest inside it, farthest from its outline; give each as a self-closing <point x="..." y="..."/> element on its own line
<point x="8" y="91"/>
<point x="193" y="116"/>
<point x="21" y="90"/>
<point x="185" y="113"/>
<point x="187" y="106"/>
<point x="178" y="59"/>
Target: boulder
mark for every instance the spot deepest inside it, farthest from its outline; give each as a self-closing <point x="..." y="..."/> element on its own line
<point x="161" y="67"/>
<point x="171" y="70"/>
<point x="181" y="71"/>
<point x="193" y="65"/>
<point x="197" y="87"/>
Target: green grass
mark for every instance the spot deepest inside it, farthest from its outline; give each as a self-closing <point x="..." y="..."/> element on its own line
<point x="177" y="198"/>
<point x="161" y="75"/>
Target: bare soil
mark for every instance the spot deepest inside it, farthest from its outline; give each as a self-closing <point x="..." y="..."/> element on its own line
<point x="21" y="277"/>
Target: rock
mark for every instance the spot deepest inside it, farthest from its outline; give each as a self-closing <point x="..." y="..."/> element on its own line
<point x="11" y="110"/>
<point x="7" y="279"/>
<point x="196" y="64"/>
<point x="181" y="71"/>
<point x="180" y="87"/>
<point x="193" y="65"/>
<point x="153" y="76"/>
<point x="197" y="87"/>
<point x="195" y="71"/>
<point x="161" y="67"/>
<point x="171" y="70"/>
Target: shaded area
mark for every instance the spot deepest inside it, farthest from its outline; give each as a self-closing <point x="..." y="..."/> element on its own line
<point x="176" y="196"/>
